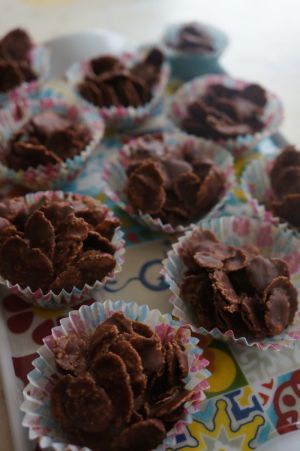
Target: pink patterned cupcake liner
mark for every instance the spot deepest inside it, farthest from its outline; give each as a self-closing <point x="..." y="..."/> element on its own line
<point x="121" y="117"/>
<point x="114" y="176"/>
<point x="272" y="116"/>
<point x="38" y="418"/>
<point x="272" y="240"/>
<point x="77" y="296"/>
<point x="20" y="110"/>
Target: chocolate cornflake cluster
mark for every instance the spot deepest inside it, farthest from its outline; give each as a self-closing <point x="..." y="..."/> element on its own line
<point x="15" y="66"/>
<point x="285" y="182"/>
<point x="56" y="243"/>
<point x="224" y="113"/>
<point x="47" y="139"/>
<point x="192" y="37"/>
<point x="122" y="388"/>
<point x="111" y="83"/>
<point x="175" y="184"/>
<point x="236" y="288"/>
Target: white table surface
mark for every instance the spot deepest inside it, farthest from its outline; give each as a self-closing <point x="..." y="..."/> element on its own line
<point x="264" y="46"/>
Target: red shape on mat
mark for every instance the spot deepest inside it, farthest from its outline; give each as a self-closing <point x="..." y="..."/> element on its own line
<point x="42" y="331"/>
<point x="23" y="366"/>
<point x="20" y="322"/>
<point x="269" y="384"/>
<point x="13" y="303"/>
<point x="264" y="398"/>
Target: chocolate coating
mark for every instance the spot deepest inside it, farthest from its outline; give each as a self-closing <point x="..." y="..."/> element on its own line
<point x="15" y="66"/>
<point x="174" y="184"/>
<point x="111" y="83"/>
<point x="46" y="139"/>
<point x="236" y="288"/>
<point x="192" y="38"/>
<point x="223" y="113"/>
<point x="123" y="377"/>
<point x="285" y="183"/>
<point x="49" y="245"/>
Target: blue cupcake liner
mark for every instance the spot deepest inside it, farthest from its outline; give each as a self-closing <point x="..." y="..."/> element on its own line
<point x="187" y="65"/>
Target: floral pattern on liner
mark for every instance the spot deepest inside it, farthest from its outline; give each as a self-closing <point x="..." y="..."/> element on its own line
<point x="77" y="296"/>
<point x="122" y="117"/>
<point x="272" y="117"/>
<point x="37" y="393"/>
<point x="238" y="231"/>
<point x="17" y="112"/>
<point x="40" y="61"/>
<point x="114" y="176"/>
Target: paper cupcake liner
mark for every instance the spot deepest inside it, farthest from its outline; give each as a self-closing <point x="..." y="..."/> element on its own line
<point x="38" y="418"/>
<point x="114" y="176"/>
<point x="40" y="61"/>
<point x="17" y="112"/>
<point x="121" y="117"/>
<point x="77" y="296"/>
<point x="238" y="231"/>
<point x="256" y="185"/>
<point x="272" y="117"/>
<point x="187" y="65"/>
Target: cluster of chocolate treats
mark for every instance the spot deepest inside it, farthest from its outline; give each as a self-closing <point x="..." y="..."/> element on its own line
<point x="15" y="66"/>
<point x="111" y="83"/>
<point x="236" y="288"/>
<point x="285" y="182"/>
<point x="223" y="113"/>
<point x="47" y="139"/>
<point x="56" y="243"/>
<point x="175" y="184"/>
<point x="192" y="37"/>
<point x="122" y="388"/>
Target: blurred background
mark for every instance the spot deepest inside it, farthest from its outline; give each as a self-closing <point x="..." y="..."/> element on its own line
<point x="264" y="34"/>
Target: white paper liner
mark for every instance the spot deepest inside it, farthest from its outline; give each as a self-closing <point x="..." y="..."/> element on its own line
<point x="272" y="117"/>
<point x="114" y="176"/>
<point x="272" y="240"/>
<point x="40" y="62"/>
<point x="17" y="112"/>
<point x="38" y="417"/>
<point x="121" y="117"/>
<point x="77" y="296"/>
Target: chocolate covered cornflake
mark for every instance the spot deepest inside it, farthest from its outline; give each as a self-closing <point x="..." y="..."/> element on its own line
<point x="285" y="183"/>
<point x="15" y="66"/>
<point x="224" y="113"/>
<point x="111" y="83"/>
<point x="46" y="139"/>
<point x="236" y="288"/>
<point x="50" y="246"/>
<point x="126" y="380"/>
<point x="173" y="184"/>
<point x="192" y="37"/>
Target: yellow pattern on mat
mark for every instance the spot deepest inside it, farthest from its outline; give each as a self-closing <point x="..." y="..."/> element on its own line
<point x="222" y="426"/>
